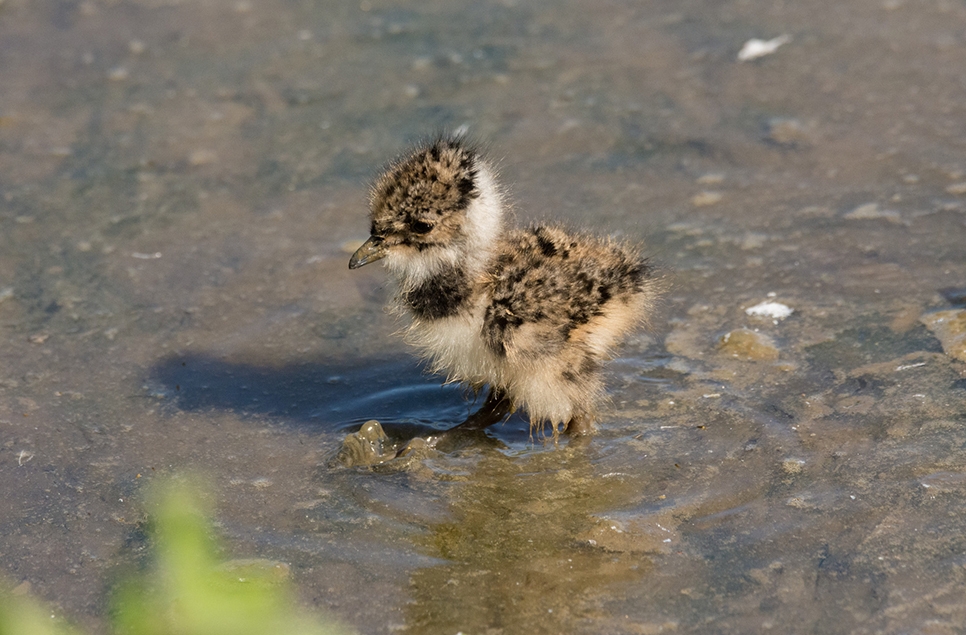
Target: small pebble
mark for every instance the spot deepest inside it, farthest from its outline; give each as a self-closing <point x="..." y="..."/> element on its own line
<point x="753" y="241"/>
<point x="775" y="310"/>
<point x="748" y="345"/>
<point x="707" y="198"/>
<point x="870" y="211"/>
<point x="422" y="63"/>
<point x="202" y="157"/>
<point x="755" y="48"/>
<point x="118" y="74"/>
<point x="369" y="446"/>
<point x="798" y="502"/>
<point x="949" y="327"/>
<point x="711" y="179"/>
<point x="787" y="131"/>
<point x="261" y="482"/>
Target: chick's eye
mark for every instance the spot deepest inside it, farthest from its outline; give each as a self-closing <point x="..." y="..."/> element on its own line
<point x="420" y="227"/>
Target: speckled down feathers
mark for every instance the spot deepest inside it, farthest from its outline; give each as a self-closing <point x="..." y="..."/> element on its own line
<point x="533" y="312"/>
<point x="420" y="201"/>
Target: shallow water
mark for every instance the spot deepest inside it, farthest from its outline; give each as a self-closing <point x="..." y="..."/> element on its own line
<point x="180" y="182"/>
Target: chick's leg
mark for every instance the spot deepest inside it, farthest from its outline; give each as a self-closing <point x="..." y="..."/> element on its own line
<point x="494" y="410"/>
<point x="581" y="425"/>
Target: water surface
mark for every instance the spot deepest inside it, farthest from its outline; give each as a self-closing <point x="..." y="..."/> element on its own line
<point x="180" y="184"/>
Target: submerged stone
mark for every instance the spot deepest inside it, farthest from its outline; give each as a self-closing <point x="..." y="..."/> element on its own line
<point x="788" y="132"/>
<point x="372" y="447"/>
<point x="949" y="327"/>
<point x="369" y="446"/>
<point x="748" y="345"/>
<point x="872" y="211"/>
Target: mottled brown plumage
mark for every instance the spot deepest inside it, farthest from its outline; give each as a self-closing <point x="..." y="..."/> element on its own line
<point x="531" y="313"/>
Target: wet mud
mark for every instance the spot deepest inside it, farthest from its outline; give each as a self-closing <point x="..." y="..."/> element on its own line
<point x="181" y="186"/>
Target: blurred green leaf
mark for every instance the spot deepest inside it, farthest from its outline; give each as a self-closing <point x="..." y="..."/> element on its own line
<point x="190" y="593"/>
<point x="20" y="615"/>
<point x="186" y="590"/>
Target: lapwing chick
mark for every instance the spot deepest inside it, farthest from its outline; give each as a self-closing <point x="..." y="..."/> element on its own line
<point x="531" y="313"/>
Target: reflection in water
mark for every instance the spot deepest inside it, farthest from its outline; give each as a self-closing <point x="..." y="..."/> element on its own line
<point x="517" y="548"/>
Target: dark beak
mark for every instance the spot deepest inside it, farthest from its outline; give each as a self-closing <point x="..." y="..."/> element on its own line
<point x="371" y="251"/>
